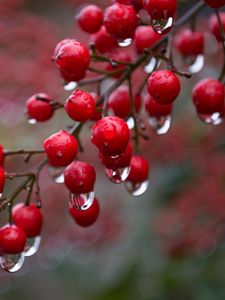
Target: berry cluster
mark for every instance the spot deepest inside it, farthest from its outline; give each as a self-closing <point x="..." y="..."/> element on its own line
<point x="121" y="43"/>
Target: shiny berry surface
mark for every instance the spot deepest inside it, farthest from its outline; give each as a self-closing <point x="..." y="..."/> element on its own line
<point x="103" y="41"/>
<point x="80" y="106"/>
<point x="80" y="177"/>
<point x="190" y="42"/>
<point x="12" y="239"/>
<point x="61" y="148"/>
<point x="164" y="86"/>
<point x="90" y="18"/>
<point x="160" y="9"/>
<point x="137" y="4"/>
<point x="29" y="218"/>
<point x="215" y="3"/>
<point x="139" y="169"/>
<point x="2" y="179"/>
<point x="155" y="109"/>
<point x="214" y="25"/>
<point x="88" y="217"/>
<point x="72" y="59"/>
<point x="145" y="37"/>
<point x="119" y="102"/>
<point x="110" y="135"/>
<point x="38" y="107"/>
<point x="120" y="21"/>
<point x="208" y="96"/>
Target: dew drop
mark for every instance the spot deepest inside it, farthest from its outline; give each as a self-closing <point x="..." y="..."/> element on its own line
<point x="12" y="262"/>
<point x="161" y="125"/>
<point x="149" y="68"/>
<point x="119" y="175"/>
<point x="32" y="121"/>
<point x="214" y="119"/>
<point x="125" y="43"/>
<point x="137" y="189"/>
<point x="32" y="245"/>
<point x="70" y="86"/>
<point x="0" y="195"/>
<point x="162" y="26"/>
<point x="57" y="174"/>
<point x="195" y="64"/>
<point x="130" y="123"/>
<point x="82" y="201"/>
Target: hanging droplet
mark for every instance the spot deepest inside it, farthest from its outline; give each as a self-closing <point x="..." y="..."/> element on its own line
<point x="195" y="64"/>
<point x="214" y="119"/>
<point x="125" y="43"/>
<point x="32" y="245"/>
<point x="130" y="123"/>
<point x="12" y="262"/>
<point x="70" y="86"/>
<point x="57" y="174"/>
<point x="32" y="121"/>
<point x="0" y="195"/>
<point x="149" y="68"/>
<point x="137" y="189"/>
<point x="119" y="175"/>
<point x="161" y="124"/>
<point x="162" y="26"/>
<point x="82" y="201"/>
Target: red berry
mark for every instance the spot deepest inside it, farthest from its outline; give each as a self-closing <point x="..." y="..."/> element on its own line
<point x="208" y="96"/>
<point x="214" y="26"/>
<point x="12" y="239"/>
<point x="164" y="86"/>
<point x="61" y="148"/>
<point x="103" y="41"/>
<point x="120" y="21"/>
<point x="160" y="9"/>
<point x="190" y="42"/>
<point x="80" y="177"/>
<point x="97" y="115"/>
<point x="38" y="107"/>
<point x="120" y="161"/>
<point x="29" y="218"/>
<point x="119" y="102"/>
<point x="215" y="3"/>
<point x="110" y="135"/>
<point x="90" y="18"/>
<point x="72" y="58"/>
<point x="138" y="4"/>
<point x="139" y="169"/>
<point x="155" y="109"/>
<point x="2" y="179"/>
<point x="80" y="106"/>
<point x="86" y="217"/>
<point x="120" y="56"/>
<point x="145" y="37"/>
<point x="1" y="155"/>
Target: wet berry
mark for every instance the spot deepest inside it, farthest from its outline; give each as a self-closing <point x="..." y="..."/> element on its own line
<point x="145" y="37"/>
<point x="155" y="109"/>
<point x="12" y="239"/>
<point x="103" y="41"/>
<point x="139" y="169"/>
<point x="90" y="18"/>
<point x="190" y="43"/>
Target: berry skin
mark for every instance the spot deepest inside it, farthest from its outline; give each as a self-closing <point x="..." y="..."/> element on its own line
<point x="103" y="41"/>
<point x="12" y="239"/>
<point x="61" y="148"/>
<point x="38" y="107"/>
<point x="120" y="21"/>
<point x="137" y="4"/>
<point x="145" y="37"/>
<point x="72" y="58"/>
<point x="97" y="114"/>
<point x="215" y="3"/>
<point x="88" y="217"/>
<point x="120" y="56"/>
<point x="1" y="155"/>
<point x="155" y="109"/>
<point x="80" y="106"/>
<point x="121" y="161"/>
<point x="139" y="169"/>
<point x="163" y="86"/>
<point x="2" y="179"/>
<point x="90" y="18"/>
<point x="208" y="96"/>
<point x="110" y="135"/>
<point x="119" y="102"/>
<point x="214" y="26"/>
<point x="190" y="42"/>
<point x="80" y="177"/>
<point x="160" y="9"/>
<point x="29" y="218"/>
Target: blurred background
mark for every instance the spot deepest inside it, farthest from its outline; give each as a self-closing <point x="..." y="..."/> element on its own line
<point x="167" y="244"/>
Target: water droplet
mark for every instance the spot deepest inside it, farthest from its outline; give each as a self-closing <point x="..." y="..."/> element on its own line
<point x="57" y="174"/>
<point x="119" y="175"/>
<point x="161" y="124"/>
<point x="125" y="43"/>
<point x="149" y="68"/>
<point x="0" y="195"/>
<point x="195" y="64"/>
<point x="137" y="189"/>
<point x="82" y="201"/>
<point x="32" y="245"/>
<point x="130" y="123"/>
<point x="12" y="262"/>
<point x="32" y="121"/>
<point x="70" y="86"/>
<point x="162" y="26"/>
<point x="214" y="119"/>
